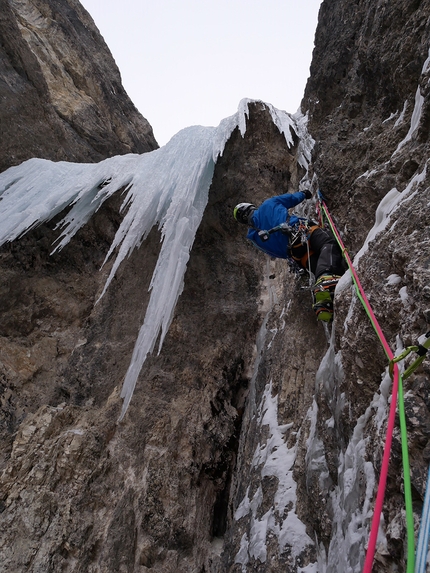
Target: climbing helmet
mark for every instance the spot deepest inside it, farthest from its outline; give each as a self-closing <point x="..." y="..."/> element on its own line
<point x="242" y="211"/>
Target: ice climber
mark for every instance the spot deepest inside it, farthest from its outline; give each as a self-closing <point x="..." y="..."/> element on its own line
<point x="287" y="236"/>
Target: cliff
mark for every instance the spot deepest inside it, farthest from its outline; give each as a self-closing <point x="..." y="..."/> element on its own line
<point x="61" y="91"/>
<point x="254" y="438"/>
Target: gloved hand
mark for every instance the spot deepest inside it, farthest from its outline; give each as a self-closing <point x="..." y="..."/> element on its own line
<point x="307" y="193"/>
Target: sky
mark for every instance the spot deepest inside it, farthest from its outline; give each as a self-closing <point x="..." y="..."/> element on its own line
<point x="190" y="62"/>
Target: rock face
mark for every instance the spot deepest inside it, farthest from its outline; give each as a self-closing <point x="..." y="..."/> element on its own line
<point x="61" y="91"/>
<point x="153" y="491"/>
<point x="254" y="439"/>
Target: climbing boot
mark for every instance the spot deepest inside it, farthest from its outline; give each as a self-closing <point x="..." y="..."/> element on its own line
<point x="323" y="293"/>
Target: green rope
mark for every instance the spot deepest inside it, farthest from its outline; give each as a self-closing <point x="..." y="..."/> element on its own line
<point x="401" y="405"/>
<point x="410" y="530"/>
<point x="354" y="277"/>
<point x="410" y="533"/>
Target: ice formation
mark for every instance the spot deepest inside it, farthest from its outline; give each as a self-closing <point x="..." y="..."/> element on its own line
<point x="167" y="187"/>
<point x="272" y="458"/>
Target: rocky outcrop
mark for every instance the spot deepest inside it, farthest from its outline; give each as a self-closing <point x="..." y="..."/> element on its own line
<point x="254" y="438"/>
<point x="365" y="71"/>
<point x="61" y="91"/>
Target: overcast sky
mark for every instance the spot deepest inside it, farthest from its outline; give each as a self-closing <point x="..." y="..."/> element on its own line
<point x="190" y="62"/>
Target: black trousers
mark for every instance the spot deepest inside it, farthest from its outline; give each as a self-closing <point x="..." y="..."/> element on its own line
<point x="327" y="256"/>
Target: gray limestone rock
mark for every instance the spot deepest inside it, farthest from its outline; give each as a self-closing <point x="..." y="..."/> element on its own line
<point x="190" y="480"/>
<point x="60" y="88"/>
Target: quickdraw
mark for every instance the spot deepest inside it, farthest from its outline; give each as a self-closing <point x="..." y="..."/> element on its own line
<point x="421" y="349"/>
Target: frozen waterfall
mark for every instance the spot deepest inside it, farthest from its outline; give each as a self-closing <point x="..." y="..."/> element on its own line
<point x="167" y="187"/>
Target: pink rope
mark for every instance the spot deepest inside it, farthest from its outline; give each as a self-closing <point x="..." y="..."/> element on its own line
<point x="380" y="494"/>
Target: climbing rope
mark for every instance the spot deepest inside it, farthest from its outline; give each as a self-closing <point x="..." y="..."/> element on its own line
<point x="410" y="532"/>
<point x="424" y="533"/>
<point x="397" y="384"/>
<point x="420" y="561"/>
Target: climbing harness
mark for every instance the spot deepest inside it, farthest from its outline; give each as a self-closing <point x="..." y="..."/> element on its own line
<point x="298" y="238"/>
<point x="397" y="390"/>
<point x="299" y="242"/>
<point x="299" y="258"/>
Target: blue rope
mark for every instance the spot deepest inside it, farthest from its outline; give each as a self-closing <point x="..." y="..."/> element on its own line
<point x="424" y="534"/>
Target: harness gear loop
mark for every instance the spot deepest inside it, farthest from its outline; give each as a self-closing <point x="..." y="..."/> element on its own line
<point x="299" y="243"/>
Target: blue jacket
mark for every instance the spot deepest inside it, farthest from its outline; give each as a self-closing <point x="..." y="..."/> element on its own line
<point x="271" y="213"/>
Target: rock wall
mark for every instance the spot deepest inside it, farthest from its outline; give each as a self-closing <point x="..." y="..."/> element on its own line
<point x="367" y="101"/>
<point x="234" y="453"/>
<point x="60" y="88"/>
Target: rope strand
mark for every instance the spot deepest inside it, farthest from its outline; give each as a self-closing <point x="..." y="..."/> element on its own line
<point x="410" y="533"/>
<point x="424" y="534"/>
<point x="380" y="494"/>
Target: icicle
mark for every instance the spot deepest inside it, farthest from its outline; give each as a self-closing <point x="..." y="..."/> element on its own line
<point x="168" y="187"/>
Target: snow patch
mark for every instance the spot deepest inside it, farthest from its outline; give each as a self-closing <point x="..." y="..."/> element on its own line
<point x="392" y="116"/>
<point x="401" y="117"/>
<point x="404" y="297"/>
<point x="393" y="280"/>
<point x="388" y="205"/>
<point x="272" y="458"/>
<point x="415" y="119"/>
<point x="426" y="65"/>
